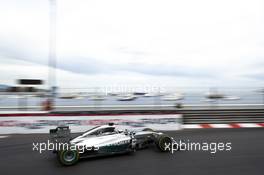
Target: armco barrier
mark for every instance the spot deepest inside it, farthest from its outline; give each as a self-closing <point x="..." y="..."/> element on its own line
<point x="42" y="124"/>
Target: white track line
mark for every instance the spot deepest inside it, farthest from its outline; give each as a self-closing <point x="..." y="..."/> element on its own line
<point x="240" y="125"/>
<point x="220" y="125"/>
<point x="1" y="137"/>
<point x="249" y="125"/>
<point x="191" y="126"/>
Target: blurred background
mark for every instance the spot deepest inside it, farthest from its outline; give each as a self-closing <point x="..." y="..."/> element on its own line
<point x="122" y="52"/>
<point x="194" y="67"/>
<point x="33" y="98"/>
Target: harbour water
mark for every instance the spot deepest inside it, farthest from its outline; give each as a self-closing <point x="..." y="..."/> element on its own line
<point x="241" y="97"/>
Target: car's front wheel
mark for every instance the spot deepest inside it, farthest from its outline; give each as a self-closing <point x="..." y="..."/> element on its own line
<point x="164" y="143"/>
<point x="68" y="157"/>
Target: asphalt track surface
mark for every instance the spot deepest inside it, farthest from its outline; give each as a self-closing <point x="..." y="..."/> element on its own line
<point x="245" y="158"/>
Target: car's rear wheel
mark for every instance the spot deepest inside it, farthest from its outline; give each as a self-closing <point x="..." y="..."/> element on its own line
<point x="164" y="143"/>
<point x="68" y="157"/>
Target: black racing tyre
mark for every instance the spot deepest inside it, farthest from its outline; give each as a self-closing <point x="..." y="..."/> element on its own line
<point x="164" y="143"/>
<point x="148" y="129"/>
<point x="68" y="157"/>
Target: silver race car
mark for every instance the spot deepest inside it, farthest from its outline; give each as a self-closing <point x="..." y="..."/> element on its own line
<point x="104" y="140"/>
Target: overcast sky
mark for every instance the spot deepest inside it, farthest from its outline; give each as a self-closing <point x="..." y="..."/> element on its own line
<point x="139" y="42"/>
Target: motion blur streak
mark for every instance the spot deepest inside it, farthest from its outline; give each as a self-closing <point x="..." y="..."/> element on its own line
<point x="246" y="157"/>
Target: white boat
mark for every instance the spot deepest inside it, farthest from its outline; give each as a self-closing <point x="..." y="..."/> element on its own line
<point x="214" y="96"/>
<point x="231" y="98"/>
<point x="112" y="94"/>
<point x="218" y="96"/>
<point x="173" y="97"/>
<point x="127" y="97"/>
<point x="154" y="94"/>
<point x="80" y="97"/>
<point x="97" y="97"/>
<point x="67" y="96"/>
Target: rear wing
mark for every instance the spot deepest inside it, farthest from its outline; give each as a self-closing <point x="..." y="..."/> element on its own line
<point x="62" y="134"/>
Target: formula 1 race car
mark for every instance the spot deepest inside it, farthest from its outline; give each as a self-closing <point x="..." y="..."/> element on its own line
<point x="104" y="140"/>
